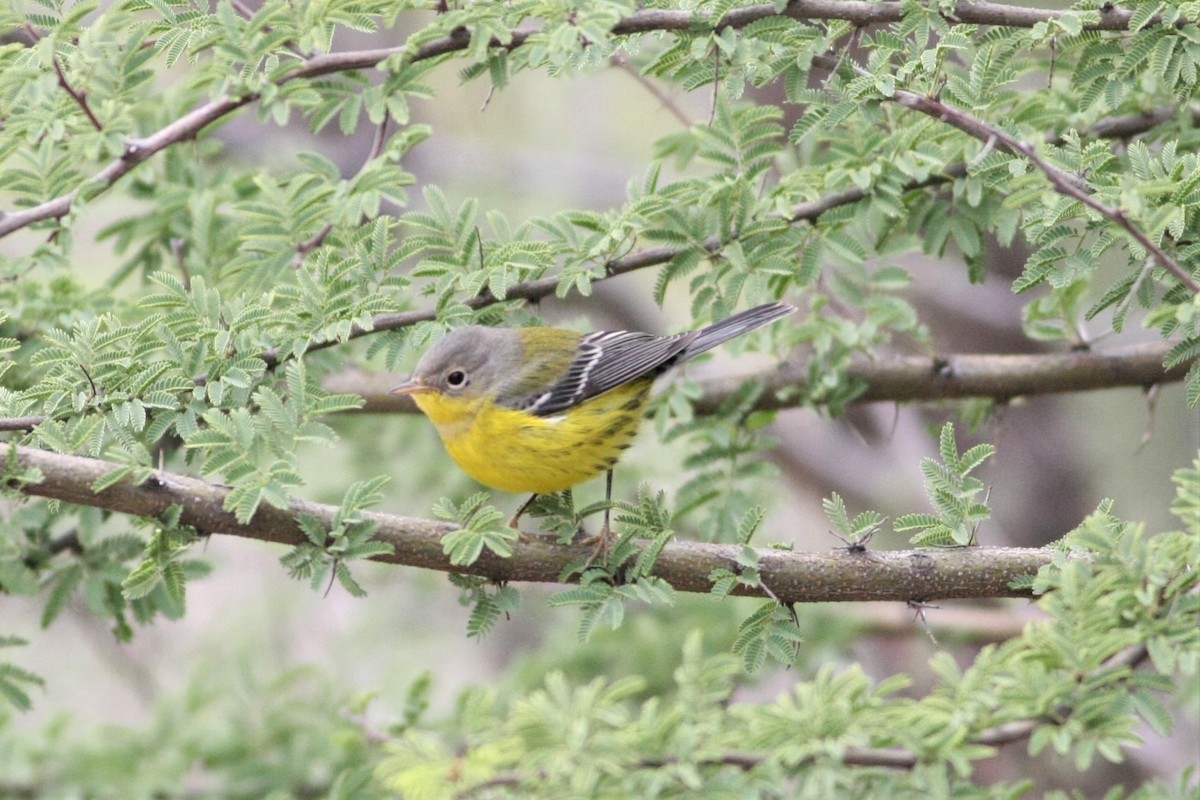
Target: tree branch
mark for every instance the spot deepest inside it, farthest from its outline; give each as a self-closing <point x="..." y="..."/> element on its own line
<point x="792" y="577"/>
<point x="809" y="211"/>
<point x="1065" y="184"/>
<point x="900" y="758"/>
<point x="901" y="379"/>
<point x="860" y="12"/>
<point x="1002" y="377"/>
<point x="853" y="755"/>
<point x="138" y="150"/>
<point x="20" y="423"/>
<point x="80" y="98"/>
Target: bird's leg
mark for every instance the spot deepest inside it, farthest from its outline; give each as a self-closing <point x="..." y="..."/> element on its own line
<point x="606" y="531"/>
<point x="604" y="538"/>
<point x="512" y="523"/>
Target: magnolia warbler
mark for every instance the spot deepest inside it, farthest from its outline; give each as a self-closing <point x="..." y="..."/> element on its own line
<point x="542" y="409"/>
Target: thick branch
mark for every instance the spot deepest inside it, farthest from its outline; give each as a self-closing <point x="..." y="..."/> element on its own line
<point x="644" y="21"/>
<point x="792" y="577"/>
<point x="1003" y="377"/>
<point x="898" y="379"/>
<point x="901" y="379"/>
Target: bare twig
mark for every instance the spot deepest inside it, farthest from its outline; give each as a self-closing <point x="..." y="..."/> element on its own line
<point x="621" y="62"/>
<point x="64" y="543"/>
<point x="377" y="144"/>
<point x="1124" y="127"/>
<point x="20" y="423"/>
<point x="80" y="98"/>
<point x="306" y="247"/>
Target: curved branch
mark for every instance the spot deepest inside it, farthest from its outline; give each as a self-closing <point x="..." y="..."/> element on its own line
<point x="188" y="126"/>
<point x="790" y="577"/>
<point x="1063" y="183"/>
<point x="901" y="758"/>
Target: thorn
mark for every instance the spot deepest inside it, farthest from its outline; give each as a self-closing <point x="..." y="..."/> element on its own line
<point x="1151" y="407"/>
<point x="920" y="607"/>
<point x="332" y="575"/>
<point x="95" y="391"/>
<point x="855" y="545"/>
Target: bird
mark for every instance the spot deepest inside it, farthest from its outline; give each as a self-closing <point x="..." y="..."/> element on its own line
<point x="541" y="409"/>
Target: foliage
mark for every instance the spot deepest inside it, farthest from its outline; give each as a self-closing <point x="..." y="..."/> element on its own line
<point x="238" y="287"/>
<point x="952" y="492"/>
<point x="14" y="681"/>
<point x="479" y="526"/>
<point x="350" y="537"/>
<point x="1114" y="598"/>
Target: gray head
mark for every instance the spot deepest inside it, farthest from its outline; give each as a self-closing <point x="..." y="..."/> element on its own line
<point x="470" y="361"/>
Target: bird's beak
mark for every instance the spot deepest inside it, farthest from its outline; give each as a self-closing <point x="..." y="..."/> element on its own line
<point x="410" y="386"/>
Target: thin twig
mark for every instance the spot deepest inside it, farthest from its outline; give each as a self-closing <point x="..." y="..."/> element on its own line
<point x="80" y="98"/>
<point x="306" y="247"/>
<point x="642" y="21"/>
<point x="1063" y="183"/>
<point x="855" y="756"/>
<point x="9" y="424"/>
<point x="622" y="63"/>
<point x="712" y="108"/>
<point x="378" y="142"/>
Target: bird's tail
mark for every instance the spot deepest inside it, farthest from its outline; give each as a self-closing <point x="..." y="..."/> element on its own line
<point x="743" y="322"/>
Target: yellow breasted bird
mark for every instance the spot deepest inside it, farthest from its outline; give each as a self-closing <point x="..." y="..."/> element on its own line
<point x="543" y="409"/>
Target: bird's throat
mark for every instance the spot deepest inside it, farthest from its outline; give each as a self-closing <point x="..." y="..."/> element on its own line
<point x="452" y="416"/>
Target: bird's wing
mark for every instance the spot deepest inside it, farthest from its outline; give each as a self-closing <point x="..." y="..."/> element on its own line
<point x="605" y="360"/>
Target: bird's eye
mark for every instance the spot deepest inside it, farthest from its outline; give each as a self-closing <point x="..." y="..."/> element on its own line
<point x="456" y="379"/>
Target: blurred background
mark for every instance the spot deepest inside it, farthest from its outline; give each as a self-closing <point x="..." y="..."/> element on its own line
<point x="536" y="147"/>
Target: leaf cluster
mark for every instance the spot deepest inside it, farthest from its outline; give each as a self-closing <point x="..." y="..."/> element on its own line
<point x="952" y="491"/>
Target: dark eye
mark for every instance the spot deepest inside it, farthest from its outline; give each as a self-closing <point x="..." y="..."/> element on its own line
<point x="456" y="379"/>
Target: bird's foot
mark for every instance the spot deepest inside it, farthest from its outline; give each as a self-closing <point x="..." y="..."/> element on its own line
<point x="600" y="543"/>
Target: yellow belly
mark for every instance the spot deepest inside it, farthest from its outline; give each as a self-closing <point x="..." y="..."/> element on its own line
<point x="517" y="452"/>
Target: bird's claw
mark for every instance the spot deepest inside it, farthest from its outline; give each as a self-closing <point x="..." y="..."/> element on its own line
<point x="600" y="544"/>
